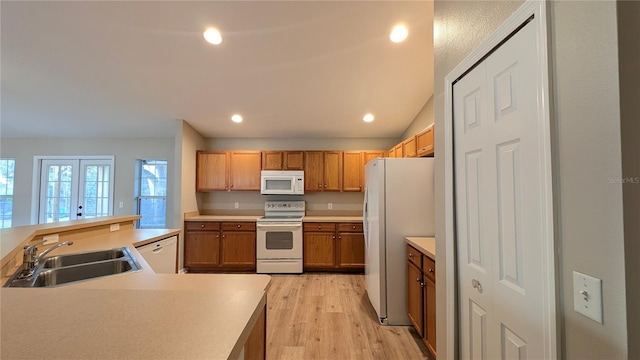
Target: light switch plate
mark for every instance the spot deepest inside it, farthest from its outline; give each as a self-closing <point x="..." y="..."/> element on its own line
<point x="587" y="296"/>
<point x="114" y="227"/>
<point x="50" y="239"/>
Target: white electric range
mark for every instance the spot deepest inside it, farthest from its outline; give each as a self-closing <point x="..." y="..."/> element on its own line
<point x="279" y="238"/>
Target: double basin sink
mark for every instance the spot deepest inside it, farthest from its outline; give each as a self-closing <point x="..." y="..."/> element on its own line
<point x="68" y="268"/>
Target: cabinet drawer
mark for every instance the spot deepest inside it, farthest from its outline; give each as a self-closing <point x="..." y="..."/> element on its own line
<point x="429" y="267"/>
<point x="414" y="256"/>
<point x="242" y="226"/>
<point x="352" y="227"/>
<point x="202" y="225"/>
<point x="319" y="227"/>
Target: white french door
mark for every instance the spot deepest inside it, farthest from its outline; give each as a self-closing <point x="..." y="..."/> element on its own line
<point x="73" y="189"/>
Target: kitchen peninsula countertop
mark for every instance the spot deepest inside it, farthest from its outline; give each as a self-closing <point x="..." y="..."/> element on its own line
<point x="426" y="245"/>
<point x="133" y="315"/>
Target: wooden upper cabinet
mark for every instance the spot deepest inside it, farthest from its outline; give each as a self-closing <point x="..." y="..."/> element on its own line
<point x="392" y="152"/>
<point x="313" y="170"/>
<point x="424" y="142"/>
<point x="409" y="147"/>
<point x="293" y="160"/>
<point x="282" y="160"/>
<point x="244" y="170"/>
<point x="370" y="155"/>
<point x="332" y="170"/>
<point x="212" y="170"/>
<point x="399" y="152"/>
<point x="353" y="171"/>
<point x="272" y="160"/>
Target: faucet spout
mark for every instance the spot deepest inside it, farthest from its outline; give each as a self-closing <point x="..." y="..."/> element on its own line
<point x="44" y="253"/>
<point x="30" y="261"/>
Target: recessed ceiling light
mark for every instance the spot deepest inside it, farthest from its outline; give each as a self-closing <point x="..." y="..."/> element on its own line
<point x="368" y="118"/>
<point x="399" y="33"/>
<point x="212" y="36"/>
<point x="236" y="118"/>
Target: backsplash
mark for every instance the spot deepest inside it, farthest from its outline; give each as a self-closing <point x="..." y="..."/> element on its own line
<point x="252" y="203"/>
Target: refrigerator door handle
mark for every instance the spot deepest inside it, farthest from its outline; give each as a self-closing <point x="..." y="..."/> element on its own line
<point x="365" y="219"/>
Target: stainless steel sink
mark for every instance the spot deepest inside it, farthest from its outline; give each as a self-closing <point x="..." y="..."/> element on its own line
<point x="59" y="276"/>
<point x="68" y="268"/>
<point x="83" y="258"/>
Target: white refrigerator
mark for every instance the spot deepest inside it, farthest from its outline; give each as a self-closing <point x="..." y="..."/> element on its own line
<point x="398" y="202"/>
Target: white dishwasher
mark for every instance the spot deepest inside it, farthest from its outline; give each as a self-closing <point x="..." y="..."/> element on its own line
<point x="161" y="255"/>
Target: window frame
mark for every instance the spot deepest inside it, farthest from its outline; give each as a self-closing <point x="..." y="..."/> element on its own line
<point x="3" y="222"/>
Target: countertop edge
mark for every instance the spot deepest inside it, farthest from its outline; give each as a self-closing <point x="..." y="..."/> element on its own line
<point x="426" y="245"/>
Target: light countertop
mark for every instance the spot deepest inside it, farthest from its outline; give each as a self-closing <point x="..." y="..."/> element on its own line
<point x="307" y="218"/>
<point x="133" y="315"/>
<point x="426" y="245"/>
<point x="329" y="218"/>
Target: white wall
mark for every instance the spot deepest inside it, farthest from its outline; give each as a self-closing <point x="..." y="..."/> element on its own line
<point x="423" y="119"/>
<point x="587" y="151"/>
<point x="300" y="143"/>
<point x="125" y="150"/>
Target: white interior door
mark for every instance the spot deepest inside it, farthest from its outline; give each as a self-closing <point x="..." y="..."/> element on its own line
<point x="500" y="207"/>
<point x="73" y="189"/>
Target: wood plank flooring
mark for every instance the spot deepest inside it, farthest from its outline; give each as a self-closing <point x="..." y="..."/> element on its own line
<point x="328" y="316"/>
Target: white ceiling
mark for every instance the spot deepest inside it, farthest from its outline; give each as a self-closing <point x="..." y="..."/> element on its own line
<point x="291" y="68"/>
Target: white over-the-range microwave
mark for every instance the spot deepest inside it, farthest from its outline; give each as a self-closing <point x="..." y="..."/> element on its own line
<point x="282" y="182"/>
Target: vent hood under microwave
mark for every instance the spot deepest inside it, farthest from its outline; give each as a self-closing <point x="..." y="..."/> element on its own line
<point x="282" y="182"/>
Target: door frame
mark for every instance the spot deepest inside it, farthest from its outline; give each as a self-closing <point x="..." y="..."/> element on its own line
<point x="537" y="9"/>
<point x="37" y="177"/>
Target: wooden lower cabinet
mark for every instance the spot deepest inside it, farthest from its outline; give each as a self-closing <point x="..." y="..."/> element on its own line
<point x="255" y="348"/>
<point x="333" y="247"/>
<point x="220" y="246"/>
<point x="421" y="296"/>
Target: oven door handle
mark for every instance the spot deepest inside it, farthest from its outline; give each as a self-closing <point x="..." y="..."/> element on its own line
<point x="289" y="225"/>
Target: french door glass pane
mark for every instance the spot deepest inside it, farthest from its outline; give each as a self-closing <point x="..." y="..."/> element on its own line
<point x="96" y="191"/>
<point x="58" y="201"/>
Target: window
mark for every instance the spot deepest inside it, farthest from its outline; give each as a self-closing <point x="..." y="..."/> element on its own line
<point x="7" y="167"/>
<point x="151" y="190"/>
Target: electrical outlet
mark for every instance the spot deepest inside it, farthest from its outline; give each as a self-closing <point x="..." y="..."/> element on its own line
<point x="50" y="239"/>
<point x="237" y="204"/>
<point x="587" y="296"/>
<point x="114" y="227"/>
<point x="330" y="206"/>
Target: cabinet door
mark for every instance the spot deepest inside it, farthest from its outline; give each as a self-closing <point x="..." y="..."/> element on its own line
<point x="201" y="249"/>
<point x="399" y="152"/>
<point x="271" y="160"/>
<point x="238" y="249"/>
<point x="244" y="170"/>
<point x="319" y="250"/>
<point x="424" y="142"/>
<point x="392" y="152"/>
<point x="430" y="314"/>
<point x="212" y="171"/>
<point x="313" y="170"/>
<point x="353" y="171"/>
<point x="409" y="147"/>
<point x="370" y="155"/>
<point x="414" y="296"/>
<point x="293" y="160"/>
<point x="351" y="253"/>
<point x="332" y="170"/>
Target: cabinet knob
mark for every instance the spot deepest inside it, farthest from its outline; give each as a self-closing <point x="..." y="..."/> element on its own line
<point x="334" y="237"/>
<point x="231" y="185"/>
<point x="325" y="186"/>
<point x="223" y="236"/>
<point x="418" y="280"/>
<point x="353" y="227"/>
<point x="410" y="255"/>
<point x="218" y="236"/>
<point x="319" y="186"/>
<point x="319" y="226"/>
<point x="202" y="226"/>
<point x="339" y="237"/>
<point x="238" y="226"/>
<point x="431" y="271"/>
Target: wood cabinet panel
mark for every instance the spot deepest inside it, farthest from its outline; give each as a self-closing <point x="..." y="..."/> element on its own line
<point x="238" y="249"/>
<point x="272" y="160"/>
<point x="424" y="142"/>
<point x="319" y="250"/>
<point x="392" y="152"/>
<point x="202" y="225"/>
<point x="414" y="256"/>
<point x="398" y="151"/>
<point x="370" y="155"/>
<point x="212" y="170"/>
<point x="256" y="346"/>
<point x="414" y="296"/>
<point x="351" y="251"/>
<point x="430" y="314"/>
<point x="350" y="227"/>
<point x="320" y="226"/>
<point x="332" y="170"/>
<point x="293" y="160"/>
<point x="429" y="267"/>
<point x="244" y="170"/>
<point x="353" y="171"/>
<point x="409" y="147"/>
<point x="239" y="226"/>
<point x="313" y="170"/>
<point x="202" y="248"/>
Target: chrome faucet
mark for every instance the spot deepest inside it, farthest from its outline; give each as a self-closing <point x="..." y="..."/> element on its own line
<point x="30" y="261"/>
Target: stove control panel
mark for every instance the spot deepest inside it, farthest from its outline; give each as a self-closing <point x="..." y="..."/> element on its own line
<point x="284" y="205"/>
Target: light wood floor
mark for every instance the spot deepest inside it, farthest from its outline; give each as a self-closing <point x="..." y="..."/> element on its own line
<point x="328" y="316"/>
